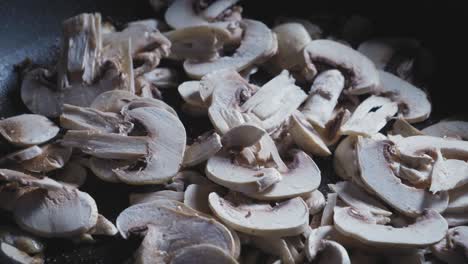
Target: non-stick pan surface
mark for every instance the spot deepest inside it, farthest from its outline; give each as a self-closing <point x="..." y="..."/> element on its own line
<point x="31" y="28"/>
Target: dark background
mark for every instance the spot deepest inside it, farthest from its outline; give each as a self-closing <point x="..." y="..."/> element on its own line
<point x="31" y="28"/>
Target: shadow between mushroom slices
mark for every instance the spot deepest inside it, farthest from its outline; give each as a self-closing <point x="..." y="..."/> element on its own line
<point x="241" y="214"/>
<point x="169" y="227"/>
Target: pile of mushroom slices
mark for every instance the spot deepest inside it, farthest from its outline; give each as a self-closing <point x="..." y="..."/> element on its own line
<point x="247" y="190"/>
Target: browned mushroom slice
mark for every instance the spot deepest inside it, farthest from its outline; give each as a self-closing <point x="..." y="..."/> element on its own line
<point x="291" y="216"/>
<point x="412" y="101"/>
<point x="257" y="45"/>
<point x="61" y="213"/>
<point x="28" y="129"/>
<point x="107" y="145"/>
<point x="363" y="76"/>
<point x="377" y="174"/>
<point x="53" y="157"/>
<point x="85" y="118"/>
<point x="175" y="222"/>
<point x="451" y="129"/>
<point x="428" y="229"/>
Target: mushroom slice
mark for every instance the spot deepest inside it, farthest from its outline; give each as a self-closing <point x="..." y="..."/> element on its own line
<point x="275" y="101"/>
<point x="159" y="78"/>
<point x="104" y="168"/>
<point x="242" y="136"/>
<point x="166" y="145"/>
<point x="60" y="213"/>
<point x="202" y="149"/>
<point x="456" y="218"/>
<point x="167" y="224"/>
<point x="103" y="227"/>
<point x="273" y="246"/>
<point x="182" y="13"/>
<point x="21" y="240"/>
<point x="363" y="76"/>
<point x="53" y="157"/>
<point x="202" y="254"/>
<point x="323" y="98"/>
<point x="256" y="46"/>
<point x="405" y="129"/>
<point x="221" y="170"/>
<point x="23" y="154"/>
<point x="138" y="198"/>
<point x="412" y="101"/>
<point x="428" y="229"/>
<point x="28" y="129"/>
<point x="332" y="252"/>
<point x="196" y="196"/>
<point x="107" y="145"/>
<point x="458" y="201"/>
<point x="370" y="116"/>
<point x="190" y="92"/>
<point x="149" y="102"/>
<point x="354" y="196"/>
<point x="11" y="254"/>
<point x="345" y="160"/>
<point x="447" y="251"/>
<point x="327" y="214"/>
<point x="185" y="178"/>
<point x="382" y="51"/>
<point x="376" y="173"/>
<point x="292" y="38"/>
<point x="85" y="118"/>
<point x="448" y="174"/>
<point x="315" y="201"/>
<point x="73" y="173"/>
<point x="303" y="176"/>
<point x="451" y="129"/>
<point x="291" y="216"/>
<point x="306" y="137"/>
<point x="315" y="32"/>
<point x="459" y="238"/>
<point x="112" y="101"/>
<point x="200" y="43"/>
<point x="28" y="180"/>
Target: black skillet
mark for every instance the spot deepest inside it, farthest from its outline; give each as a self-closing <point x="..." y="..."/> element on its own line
<point x="31" y="28"/>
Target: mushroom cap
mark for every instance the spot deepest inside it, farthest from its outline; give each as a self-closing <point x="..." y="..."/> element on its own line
<point x="377" y="174"/>
<point x="28" y="129"/>
<point x="202" y="254"/>
<point x="362" y="72"/>
<point x="452" y="129"/>
<point x="303" y="176"/>
<point x="428" y="229"/>
<point x="61" y="213"/>
<point x="416" y="105"/>
<point x="179" y="225"/>
<point x="166" y="144"/>
<point x="256" y="46"/>
<point x="354" y="196"/>
<point x="291" y="216"/>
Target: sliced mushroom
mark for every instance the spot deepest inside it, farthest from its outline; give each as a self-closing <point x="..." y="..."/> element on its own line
<point x="275" y="101"/>
<point x="138" y="198"/>
<point x="452" y="249"/>
<point x="73" y="173"/>
<point x="202" y="149"/>
<point x="332" y="252"/>
<point x="415" y="145"/>
<point x="382" y="51"/>
<point x="291" y="216"/>
<point x="362" y="72"/>
<point x="28" y="129"/>
<point x="103" y="227"/>
<point x="455" y="218"/>
<point x="196" y="196"/>
<point x="314" y="240"/>
<point x="451" y="129"/>
<point x="315" y="201"/>
<point x="376" y="173"/>
<point x="352" y="195"/>
<point x="202" y="254"/>
<point x="23" y="154"/>
<point x="11" y="254"/>
<point x="292" y="38"/>
<point x="306" y="137"/>
<point x="345" y="160"/>
<point x="191" y="93"/>
<point x="200" y="43"/>
<point x="29" y="181"/>
<point x="273" y="246"/>
<point x="302" y="177"/>
<point x="112" y="101"/>
<point x="168" y="223"/>
<point x="458" y="200"/>
<point x="412" y="101"/>
<point x="104" y="168"/>
<point x="327" y="214"/>
<point x="53" y="157"/>
<point x="185" y="178"/>
<point x="85" y="118"/>
<point x="315" y="32"/>
<point x="159" y="78"/>
<point x="60" y="213"/>
<point x="405" y="129"/>
<point x="448" y="174"/>
<point x="323" y="97"/>
<point x="370" y="116"/>
<point x="149" y="102"/>
<point x="258" y="44"/>
<point x="242" y="136"/>
<point x="21" y="240"/>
